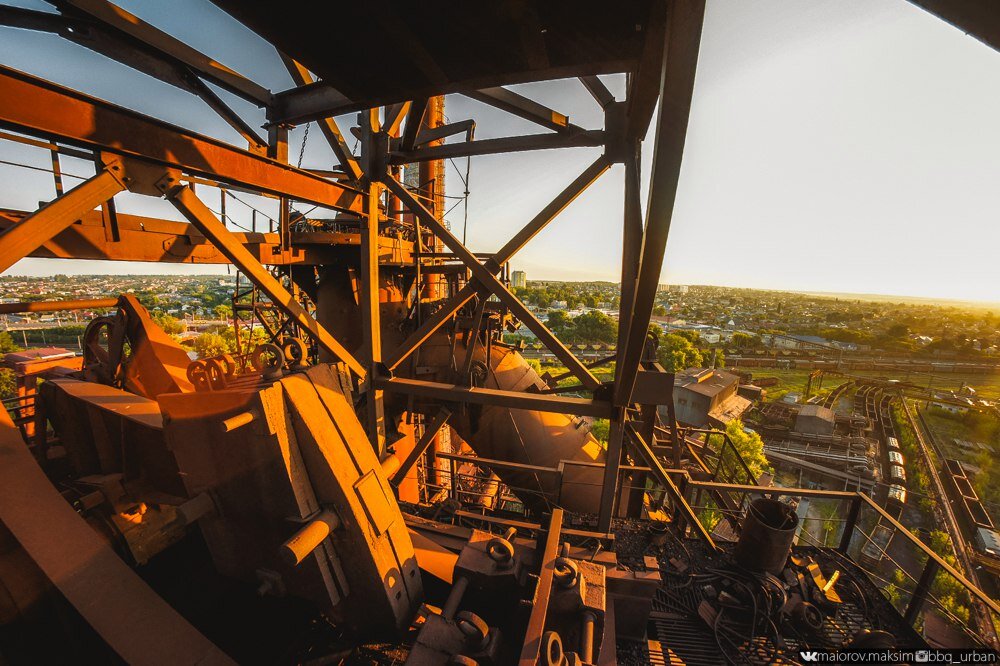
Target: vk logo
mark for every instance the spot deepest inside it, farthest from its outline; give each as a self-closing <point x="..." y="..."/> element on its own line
<point x="809" y="656"/>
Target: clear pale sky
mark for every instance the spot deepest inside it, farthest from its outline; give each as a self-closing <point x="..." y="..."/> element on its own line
<point x="834" y="145"/>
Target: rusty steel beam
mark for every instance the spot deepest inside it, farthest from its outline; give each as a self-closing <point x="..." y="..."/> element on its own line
<point x="151" y="239"/>
<point x="522" y="107"/>
<point x="507" y="144"/>
<point x="57" y="306"/>
<point x="612" y="469"/>
<point x="328" y="126"/>
<point x="155" y="40"/>
<point x="430" y="432"/>
<point x="543" y="590"/>
<point x="185" y="200"/>
<point x="512" y="247"/>
<point x="647" y="456"/>
<point x="486" y="277"/>
<point x="429" y="134"/>
<point x="482" y="396"/>
<point x="20" y="240"/>
<point x="41" y="108"/>
<point x="676" y="89"/>
<point x="368" y="282"/>
<point x="411" y="128"/>
<point x="644" y="84"/>
<point x="598" y="90"/>
<point x="631" y="248"/>
<point x="124" y="611"/>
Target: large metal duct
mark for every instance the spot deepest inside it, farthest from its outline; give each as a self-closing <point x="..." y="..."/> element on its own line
<point x="514" y="435"/>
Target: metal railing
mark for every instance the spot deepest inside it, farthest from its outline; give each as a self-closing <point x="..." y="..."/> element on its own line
<point x="917" y="581"/>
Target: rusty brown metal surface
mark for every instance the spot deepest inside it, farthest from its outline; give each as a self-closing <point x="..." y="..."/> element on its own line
<point x="134" y="620"/>
<point x="199" y="215"/>
<point x="41" y="108"/>
<point x="157" y="364"/>
<point x="152" y="239"/>
<point x="56" y="306"/>
<point x="543" y="591"/>
<point x="18" y="241"/>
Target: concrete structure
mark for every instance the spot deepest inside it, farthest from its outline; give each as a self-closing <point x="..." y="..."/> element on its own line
<point x="703" y="397"/>
<point x="518" y="279"/>
<point x="815" y="420"/>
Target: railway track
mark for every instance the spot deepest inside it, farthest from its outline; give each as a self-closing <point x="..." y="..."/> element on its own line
<point x="954" y="531"/>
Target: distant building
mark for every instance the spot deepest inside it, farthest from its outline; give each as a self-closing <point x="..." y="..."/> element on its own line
<point x="815" y="420"/>
<point x="519" y="279"/>
<point x="707" y="397"/>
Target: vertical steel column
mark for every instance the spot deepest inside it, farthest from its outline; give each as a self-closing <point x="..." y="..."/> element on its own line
<point x="375" y="144"/>
<point x="921" y="592"/>
<point x="432" y="173"/>
<point x="676" y="89"/>
<point x="612" y="467"/>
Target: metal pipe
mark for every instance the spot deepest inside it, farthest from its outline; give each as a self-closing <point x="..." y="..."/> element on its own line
<point x="53" y="306"/>
<point x="307" y="539"/>
<point x="238" y="421"/>
<point x="587" y="638"/>
<point x="455" y="597"/>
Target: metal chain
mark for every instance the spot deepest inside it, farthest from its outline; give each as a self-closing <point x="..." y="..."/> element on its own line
<point x="302" y="150"/>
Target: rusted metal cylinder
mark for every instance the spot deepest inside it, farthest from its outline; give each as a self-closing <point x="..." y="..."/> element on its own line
<point x="55" y="306"/>
<point x="390" y="465"/>
<point x="455" y="597"/>
<point x="766" y="538"/>
<point x="238" y="421"/>
<point x="307" y="539"/>
<point x="587" y="637"/>
<point x="523" y="436"/>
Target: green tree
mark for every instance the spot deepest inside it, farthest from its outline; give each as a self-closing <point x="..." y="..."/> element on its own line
<point x="742" y="340"/>
<point x="8" y="383"/>
<point x="595" y="327"/>
<point x="559" y="322"/>
<point x="211" y="344"/>
<point x="750" y="447"/>
<point x="223" y="312"/>
<point x="676" y="353"/>
<point x="170" y="325"/>
<point x="600" y="428"/>
<point x="7" y="343"/>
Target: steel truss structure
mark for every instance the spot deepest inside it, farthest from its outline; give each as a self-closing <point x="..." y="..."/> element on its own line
<point x="142" y="155"/>
<point x="390" y="70"/>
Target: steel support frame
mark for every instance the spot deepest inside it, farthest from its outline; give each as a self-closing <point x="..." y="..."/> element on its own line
<point x="31" y="233"/>
<point x="485" y="276"/>
<point x="680" y="58"/>
<point x="505" y="254"/>
<point x="41" y="108"/>
<point x="328" y="126"/>
<point x="198" y="214"/>
<point x="430" y="432"/>
<point x="373" y="149"/>
<point x="531" y="652"/>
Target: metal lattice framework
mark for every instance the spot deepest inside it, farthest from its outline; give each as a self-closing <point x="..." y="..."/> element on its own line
<point x="143" y="155"/>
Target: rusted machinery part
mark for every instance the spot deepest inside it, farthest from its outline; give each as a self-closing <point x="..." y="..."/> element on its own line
<point x="296" y="354"/>
<point x="269" y="359"/>
<point x="101" y="359"/>
<point x="133" y="620"/>
<point x="296" y="465"/>
<point x="156" y="363"/>
<point x="566" y="573"/>
<point x="518" y="435"/>
<point x="552" y="649"/>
